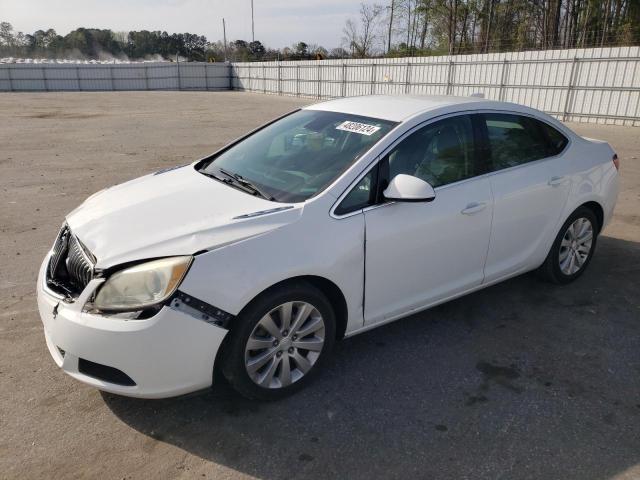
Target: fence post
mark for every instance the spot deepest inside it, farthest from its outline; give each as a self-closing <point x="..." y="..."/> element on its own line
<point x="113" y="88"/>
<point x="146" y="77"/>
<point x="78" y="78"/>
<point x="44" y="77"/>
<point x="279" y="78"/>
<point x="373" y="78"/>
<point x="344" y="80"/>
<point x="450" y="77"/>
<point x="178" y="67"/>
<point x="9" y="67"/>
<point x="407" y="78"/>
<point x="319" y="80"/>
<point x="503" y="79"/>
<point x="206" y="76"/>
<point x="264" y="79"/>
<point x="230" y="74"/>
<point x="297" y="80"/>
<point x="572" y="75"/>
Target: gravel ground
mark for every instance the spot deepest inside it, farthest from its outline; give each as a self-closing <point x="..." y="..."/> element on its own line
<point x="521" y="380"/>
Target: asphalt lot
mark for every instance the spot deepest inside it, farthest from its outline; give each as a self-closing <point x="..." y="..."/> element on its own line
<point x="521" y="380"/>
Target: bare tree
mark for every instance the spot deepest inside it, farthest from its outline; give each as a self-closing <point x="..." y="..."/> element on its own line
<point x="392" y="10"/>
<point x="416" y="26"/>
<point x="6" y="34"/>
<point x="452" y="7"/>
<point x="360" y="38"/>
<point x="424" y="8"/>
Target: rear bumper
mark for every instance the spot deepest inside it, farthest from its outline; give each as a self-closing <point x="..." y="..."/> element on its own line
<point x="169" y="354"/>
<point x="611" y="196"/>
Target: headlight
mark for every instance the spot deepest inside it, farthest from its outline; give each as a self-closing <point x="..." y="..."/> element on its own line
<point x="143" y="285"/>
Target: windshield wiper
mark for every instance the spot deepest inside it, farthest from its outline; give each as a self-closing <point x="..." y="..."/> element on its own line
<point x="247" y="184"/>
<point x="215" y="177"/>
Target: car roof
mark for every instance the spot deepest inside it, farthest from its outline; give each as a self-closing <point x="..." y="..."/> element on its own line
<point x="398" y="108"/>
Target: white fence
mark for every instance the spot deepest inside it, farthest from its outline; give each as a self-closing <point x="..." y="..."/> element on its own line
<point x="595" y="85"/>
<point x="130" y="76"/>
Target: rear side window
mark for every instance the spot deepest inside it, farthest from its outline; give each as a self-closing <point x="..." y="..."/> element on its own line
<point x="556" y="140"/>
<point x="513" y="140"/>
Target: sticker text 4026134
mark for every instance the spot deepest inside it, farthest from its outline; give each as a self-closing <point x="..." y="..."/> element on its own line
<point x="361" y="128"/>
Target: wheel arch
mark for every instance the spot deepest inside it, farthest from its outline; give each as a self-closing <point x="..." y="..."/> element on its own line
<point x="597" y="210"/>
<point x="326" y="286"/>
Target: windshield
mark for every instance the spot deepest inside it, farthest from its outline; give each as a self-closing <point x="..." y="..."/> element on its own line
<point x="299" y="155"/>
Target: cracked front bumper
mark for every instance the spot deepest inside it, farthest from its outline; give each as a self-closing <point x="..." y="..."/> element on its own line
<point x="169" y="354"/>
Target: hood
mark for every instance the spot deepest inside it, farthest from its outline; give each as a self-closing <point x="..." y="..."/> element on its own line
<point x="172" y="212"/>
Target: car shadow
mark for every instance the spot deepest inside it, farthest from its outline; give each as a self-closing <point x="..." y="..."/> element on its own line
<point x="521" y="380"/>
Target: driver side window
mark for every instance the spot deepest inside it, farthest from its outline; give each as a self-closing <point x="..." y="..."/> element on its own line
<point x="440" y="153"/>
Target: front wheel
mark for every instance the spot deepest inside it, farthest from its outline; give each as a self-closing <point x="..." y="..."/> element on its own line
<point x="573" y="247"/>
<point x="281" y="340"/>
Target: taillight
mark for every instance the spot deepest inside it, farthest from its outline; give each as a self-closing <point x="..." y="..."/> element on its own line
<point x="616" y="161"/>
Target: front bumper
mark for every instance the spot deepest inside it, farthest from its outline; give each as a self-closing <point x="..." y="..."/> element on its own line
<point x="169" y="354"/>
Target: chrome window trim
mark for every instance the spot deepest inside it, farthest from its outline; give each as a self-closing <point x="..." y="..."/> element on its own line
<point x="375" y="161"/>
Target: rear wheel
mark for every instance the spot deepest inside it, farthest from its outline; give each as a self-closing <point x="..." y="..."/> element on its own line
<point x="281" y="340"/>
<point x="573" y="247"/>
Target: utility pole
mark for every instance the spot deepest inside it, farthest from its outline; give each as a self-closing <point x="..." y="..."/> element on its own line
<point x="224" y="35"/>
<point x="253" y="35"/>
<point x="391" y="8"/>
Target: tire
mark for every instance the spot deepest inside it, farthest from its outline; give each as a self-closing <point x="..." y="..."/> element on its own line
<point x="261" y="335"/>
<point x="568" y="244"/>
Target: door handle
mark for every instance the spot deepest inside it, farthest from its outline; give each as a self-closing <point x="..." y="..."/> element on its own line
<point x="474" y="207"/>
<point x="554" y="181"/>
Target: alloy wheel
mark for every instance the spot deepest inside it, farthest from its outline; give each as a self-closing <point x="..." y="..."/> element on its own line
<point x="576" y="246"/>
<point x="284" y="345"/>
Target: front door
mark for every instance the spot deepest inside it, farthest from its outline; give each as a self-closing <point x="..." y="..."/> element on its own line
<point x="417" y="254"/>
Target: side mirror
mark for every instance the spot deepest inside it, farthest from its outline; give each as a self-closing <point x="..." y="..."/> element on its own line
<point x="407" y="188"/>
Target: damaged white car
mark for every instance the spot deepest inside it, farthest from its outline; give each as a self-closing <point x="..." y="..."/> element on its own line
<point x="324" y="223"/>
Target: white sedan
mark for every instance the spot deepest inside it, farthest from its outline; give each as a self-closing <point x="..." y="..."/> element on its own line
<point x="325" y="223"/>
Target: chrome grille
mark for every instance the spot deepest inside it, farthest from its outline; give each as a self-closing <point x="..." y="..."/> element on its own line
<point x="59" y="251"/>
<point x="78" y="264"/>
<point x="71" y="265"/>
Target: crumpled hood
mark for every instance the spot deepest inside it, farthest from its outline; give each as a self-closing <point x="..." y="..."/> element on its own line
<point x="173" y="212"/>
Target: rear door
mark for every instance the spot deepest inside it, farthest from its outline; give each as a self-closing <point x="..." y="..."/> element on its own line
<point x="530" y="180"/>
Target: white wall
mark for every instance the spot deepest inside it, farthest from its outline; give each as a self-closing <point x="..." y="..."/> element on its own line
<point x="130" y="76"/>
<point x="595" y="85"/>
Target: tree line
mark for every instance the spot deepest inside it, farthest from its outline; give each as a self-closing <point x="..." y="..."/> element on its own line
<point x="104" y="44"/>
<point x="396" y="28"/>
<point x="428" y="27"/>
<point x="101" y="44"/>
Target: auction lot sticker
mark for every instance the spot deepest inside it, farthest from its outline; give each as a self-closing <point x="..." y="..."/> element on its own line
<point x="355" y="127"/>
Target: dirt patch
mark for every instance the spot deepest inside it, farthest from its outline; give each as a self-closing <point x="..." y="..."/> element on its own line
<point x="63" y="115"/>
<point x="521" y="380"/>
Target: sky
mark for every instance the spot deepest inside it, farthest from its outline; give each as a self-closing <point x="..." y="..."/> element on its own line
<point x="278" y="23"/>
